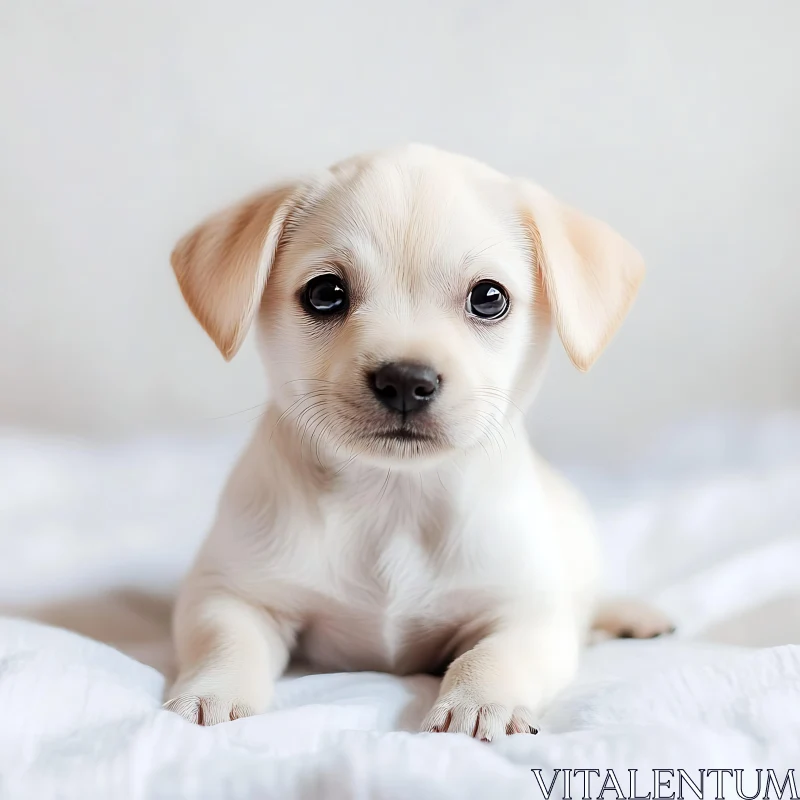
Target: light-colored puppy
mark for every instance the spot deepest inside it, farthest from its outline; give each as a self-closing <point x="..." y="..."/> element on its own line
<point x="389" y="513"/>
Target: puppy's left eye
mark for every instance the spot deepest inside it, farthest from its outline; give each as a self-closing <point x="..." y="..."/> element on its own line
<point x="487" y="300"/>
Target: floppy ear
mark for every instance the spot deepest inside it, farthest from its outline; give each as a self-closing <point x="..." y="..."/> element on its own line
<point x="590" y="274"/>
<point x="223" y="264"/>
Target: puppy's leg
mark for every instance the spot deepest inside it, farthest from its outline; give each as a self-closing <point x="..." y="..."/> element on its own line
<point x="229" y="654"/>
<point x="498" y="686"/>
<point x="626" y="618"/>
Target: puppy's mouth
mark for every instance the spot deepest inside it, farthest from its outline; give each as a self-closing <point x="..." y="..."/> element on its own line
<point x="402" y="435"/>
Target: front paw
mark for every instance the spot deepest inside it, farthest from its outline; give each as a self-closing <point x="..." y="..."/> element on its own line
<point x="460" y="712"/>
<point x="206" y="699"/>
<point x="209" y="709"/>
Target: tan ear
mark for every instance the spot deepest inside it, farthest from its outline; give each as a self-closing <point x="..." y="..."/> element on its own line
<point x="223" y="264"/>
<point x="589" y="272"/>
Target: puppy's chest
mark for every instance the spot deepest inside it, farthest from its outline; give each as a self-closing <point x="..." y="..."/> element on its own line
<point x="389" y="599"/>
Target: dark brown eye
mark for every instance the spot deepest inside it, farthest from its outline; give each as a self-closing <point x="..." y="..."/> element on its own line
<point x="324" y="295"/>
<point x="487" y="300"/>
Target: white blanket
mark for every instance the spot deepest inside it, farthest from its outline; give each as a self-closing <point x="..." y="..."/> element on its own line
<point x="707" y="525"/>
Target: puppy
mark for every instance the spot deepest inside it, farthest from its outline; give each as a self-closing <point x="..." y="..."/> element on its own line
<point x="388" y="513"/>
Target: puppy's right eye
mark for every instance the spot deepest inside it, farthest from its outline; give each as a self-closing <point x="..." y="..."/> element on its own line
<point x="324" y="295"/>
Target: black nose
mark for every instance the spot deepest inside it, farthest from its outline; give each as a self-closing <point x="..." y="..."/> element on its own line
<point x="404" y="385"/>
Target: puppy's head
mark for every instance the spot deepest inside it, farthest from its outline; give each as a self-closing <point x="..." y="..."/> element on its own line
<point x="404" y="299"/>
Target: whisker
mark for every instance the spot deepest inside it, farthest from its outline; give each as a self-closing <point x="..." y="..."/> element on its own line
<point x="301" y="419"/>
<point x="492" y="418"/>
<point x="385" y="484"/>
<point x="498" y="425"/>
<point x="291" y="408"/>
<point x="308" y="380"/>
<point x="497" y="408"/>
<point x="235" y="413"/>
<point x="346" y="464"/>
<point x="253" y="419"/>
<point x="326" y="426"/>
<point x="481" y="422"/>
<point x="499" y="393"/>
<point x="318" y="408"/>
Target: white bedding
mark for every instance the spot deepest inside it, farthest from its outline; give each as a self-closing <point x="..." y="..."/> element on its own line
<point x="707" y="524"/>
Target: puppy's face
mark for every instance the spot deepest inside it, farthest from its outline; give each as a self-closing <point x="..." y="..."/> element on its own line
<point x="399" y="312"/>
<point x="404" y="300"/>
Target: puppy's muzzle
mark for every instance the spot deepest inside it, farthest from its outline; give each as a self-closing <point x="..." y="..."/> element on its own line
<point x="405" y="386"/>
